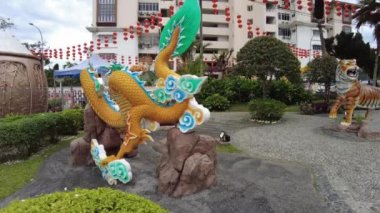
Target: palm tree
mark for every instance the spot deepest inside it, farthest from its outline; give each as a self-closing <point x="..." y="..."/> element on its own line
<point x="222" y="60"/>
<point x="369" y="13"/>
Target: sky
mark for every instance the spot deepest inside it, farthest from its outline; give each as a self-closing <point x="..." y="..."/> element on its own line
<point x="63" y="22"/>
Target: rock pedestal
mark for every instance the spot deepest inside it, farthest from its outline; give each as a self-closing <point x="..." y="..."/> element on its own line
<point x="94" y="128"/>
<point x="361" y="129"/>
<point x="188" y="163"/>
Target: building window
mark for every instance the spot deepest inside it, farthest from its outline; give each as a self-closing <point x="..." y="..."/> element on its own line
<point x="270" y="20"/>
<point x="284" y="32"/>
<point x="250" y="8"/>
<point x="148" y="7"/>
<point x="284" y="16"/>
<point x="347" y="29"/>
<point x="317" y="47"/>
<point x="106" y="13"/>
<point x="315" y="32"/>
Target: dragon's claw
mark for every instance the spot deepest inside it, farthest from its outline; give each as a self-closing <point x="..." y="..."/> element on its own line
<point x="108" y="160"/>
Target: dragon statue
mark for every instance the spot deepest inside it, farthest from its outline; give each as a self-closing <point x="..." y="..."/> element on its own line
<point x="122" y="100"/>
<point x="351" y="93"/>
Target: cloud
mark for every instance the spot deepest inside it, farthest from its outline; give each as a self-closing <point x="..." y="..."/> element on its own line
<point x="62" y="22"/>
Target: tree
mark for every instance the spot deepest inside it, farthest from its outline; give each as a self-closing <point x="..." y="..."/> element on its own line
<point x="322" y="71"/>
<point x="222" y="60"/>
<point x="196" y="46"/>
<point x="5" y="23"/>
<point x="368" y="14"/>
<point x="352" y="46"/>
<point x="267" y="58"/>
<point x="37" y="48"/>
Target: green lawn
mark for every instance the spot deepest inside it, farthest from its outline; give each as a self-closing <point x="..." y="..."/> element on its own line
<point x="243" y="107"/>
<point x="292" y="108"/>
<point x="14" y="175"/>
<point x="240" y="107"/>
<point x="227" y="148"/>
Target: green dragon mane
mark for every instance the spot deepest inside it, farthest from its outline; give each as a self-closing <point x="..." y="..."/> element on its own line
<point x="188" y="18"/>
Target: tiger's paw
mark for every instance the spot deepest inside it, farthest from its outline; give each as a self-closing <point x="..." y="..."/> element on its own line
<point x="333" y="116"/>
<point x="345" y="123"/>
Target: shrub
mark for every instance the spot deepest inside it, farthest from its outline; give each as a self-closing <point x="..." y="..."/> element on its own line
<point x="22" y="136"/>
<point x="217" y="102"/>
<point x="86" y="200"/>
<point x="73" y="121"/>
<point x="266" y="109"/>
<point x="317" y="107"/>
<point x="55" y="105"/>
<point x="235" y="89"/>
<point x="243" y="89"/>
<point x="214" y="86"/>
<point x="307" y="109"/>
<point x="289" y="93"/>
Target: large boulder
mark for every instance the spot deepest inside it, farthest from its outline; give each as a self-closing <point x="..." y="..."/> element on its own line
<point x="188" y="163"/>
<point x="94" y="128"/>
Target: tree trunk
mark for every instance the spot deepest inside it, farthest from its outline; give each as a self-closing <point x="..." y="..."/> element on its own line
<point x="265" y="90"/>
<point x="374" y="78"/>
<point x="327" y="93"/>
<point x="323" y="45"/>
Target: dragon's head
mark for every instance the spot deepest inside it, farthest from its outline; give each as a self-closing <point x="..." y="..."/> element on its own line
<point x="348" y="70"/>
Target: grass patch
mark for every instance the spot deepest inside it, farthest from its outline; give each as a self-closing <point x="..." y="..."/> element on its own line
<point x="239" y="107"/>
<point x="227" y="148"/>
<point x="14" y="175"/>
<point x="292" y="108"/>
<point x="243" y="107"/>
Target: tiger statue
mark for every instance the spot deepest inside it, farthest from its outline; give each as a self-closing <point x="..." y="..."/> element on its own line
<point x="351" y="93"/>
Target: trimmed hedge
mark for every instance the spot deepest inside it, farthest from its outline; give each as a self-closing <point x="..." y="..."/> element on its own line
<point x="21" y="136"/>
<point x="241" y="90"/>
<point x="266" y="109"/>
<point x="86" y="200"/>
<point x="217" y="102"/>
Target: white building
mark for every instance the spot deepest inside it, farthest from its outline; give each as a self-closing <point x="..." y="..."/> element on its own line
<point x="293" y="25"/>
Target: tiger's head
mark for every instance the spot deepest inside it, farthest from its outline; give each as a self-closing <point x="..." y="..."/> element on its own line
<point x="347" y="70"/>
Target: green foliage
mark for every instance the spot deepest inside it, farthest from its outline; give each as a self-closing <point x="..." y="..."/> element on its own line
<point x="289" y="93"/>
<point x="195" y="67"/>
<point x="73" y="120"/>
<point x="149" y="77"/>
<point x="352" y="46"/>
<point x="307" y="109"/>
<point x="55" y="104"/>
<point x="16" y="174"/>
<point x="322" y="70"/>
<point x="86" y="200"/>
<point x="241" y="90"/>
<point x="217" y="102"/>
<point x="22" y="136"/>
<point x="267" y="57"/>
<point x="235" y="89"/>
<point x="266" y="109"/>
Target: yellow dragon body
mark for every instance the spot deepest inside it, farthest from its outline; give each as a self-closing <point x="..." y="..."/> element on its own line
<point x="124" y="102"/>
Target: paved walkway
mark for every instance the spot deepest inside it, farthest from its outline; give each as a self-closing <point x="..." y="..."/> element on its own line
<point x="346" y="168"/>
<point x="244" y="184"/>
